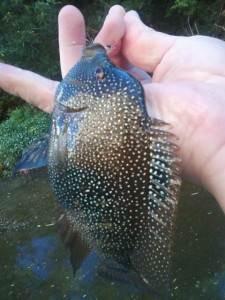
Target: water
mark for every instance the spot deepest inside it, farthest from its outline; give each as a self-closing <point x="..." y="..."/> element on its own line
<point x="35" y="265"/>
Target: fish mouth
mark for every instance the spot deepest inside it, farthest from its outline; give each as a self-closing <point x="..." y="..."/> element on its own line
<point x="74" y="82"/>
<point x="93" y="49"/>
<point x="68" y="109"/>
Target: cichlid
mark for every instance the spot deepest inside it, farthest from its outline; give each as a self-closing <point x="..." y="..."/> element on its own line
<point x="114" y="170"/>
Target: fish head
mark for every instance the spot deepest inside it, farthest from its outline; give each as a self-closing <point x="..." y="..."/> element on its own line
<point x="95" y="77"/>
<point x="87" y="98"/>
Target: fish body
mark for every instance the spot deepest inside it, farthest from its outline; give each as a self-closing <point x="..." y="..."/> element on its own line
<point x="113" y="168"/>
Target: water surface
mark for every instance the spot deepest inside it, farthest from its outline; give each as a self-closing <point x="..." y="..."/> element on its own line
<point x="35" y="265"/>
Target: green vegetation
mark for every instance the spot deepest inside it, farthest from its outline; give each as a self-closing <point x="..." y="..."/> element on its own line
<point x="24" y="125"/>
<point x="28" y="39"/>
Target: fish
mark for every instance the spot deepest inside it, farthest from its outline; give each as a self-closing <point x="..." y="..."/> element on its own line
<point x="114" y="171"/>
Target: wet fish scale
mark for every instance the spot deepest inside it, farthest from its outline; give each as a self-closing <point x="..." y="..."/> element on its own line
<point x="113" y="168"/>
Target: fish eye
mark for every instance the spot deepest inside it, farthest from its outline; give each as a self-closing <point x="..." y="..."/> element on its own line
<point x="100" y="73"/>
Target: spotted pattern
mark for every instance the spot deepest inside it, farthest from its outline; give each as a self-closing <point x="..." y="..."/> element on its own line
<point x="113" y="168"/>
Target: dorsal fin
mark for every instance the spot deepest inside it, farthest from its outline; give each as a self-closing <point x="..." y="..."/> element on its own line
<point x="151" y="256"/>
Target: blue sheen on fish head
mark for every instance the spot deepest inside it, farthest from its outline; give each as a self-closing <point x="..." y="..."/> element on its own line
<point x="94" y="77"/>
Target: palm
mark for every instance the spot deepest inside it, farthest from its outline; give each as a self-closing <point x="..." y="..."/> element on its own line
<point x="188" y="92"/>
<point x="190" y="95"/>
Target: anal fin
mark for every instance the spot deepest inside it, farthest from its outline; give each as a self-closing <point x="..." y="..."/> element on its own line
<point x="72" y="240"/>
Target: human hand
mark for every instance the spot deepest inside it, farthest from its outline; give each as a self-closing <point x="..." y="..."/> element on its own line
<point x="187" y="89"/>
<point x="188" y="92"/>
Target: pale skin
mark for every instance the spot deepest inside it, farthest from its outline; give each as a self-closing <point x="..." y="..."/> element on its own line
<point x="187" y="88"/>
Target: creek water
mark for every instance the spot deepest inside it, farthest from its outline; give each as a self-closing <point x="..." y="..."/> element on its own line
<point x="34" y="263"/>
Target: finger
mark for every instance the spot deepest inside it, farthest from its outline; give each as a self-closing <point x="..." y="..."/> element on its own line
<point x="113" y="28"/>
<point x="139" y="74"/>
<point x="33" y="88"/>
<point x="71" y="37"/>
<point x="118" y="9"/>
<point x="113" y="31"/>
<point x="143" y="46"/>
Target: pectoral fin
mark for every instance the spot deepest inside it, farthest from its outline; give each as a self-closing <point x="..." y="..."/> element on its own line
<point x="35" y="155"/>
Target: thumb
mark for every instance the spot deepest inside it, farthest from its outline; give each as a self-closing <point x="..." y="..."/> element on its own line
<point x="143" y="46"/>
